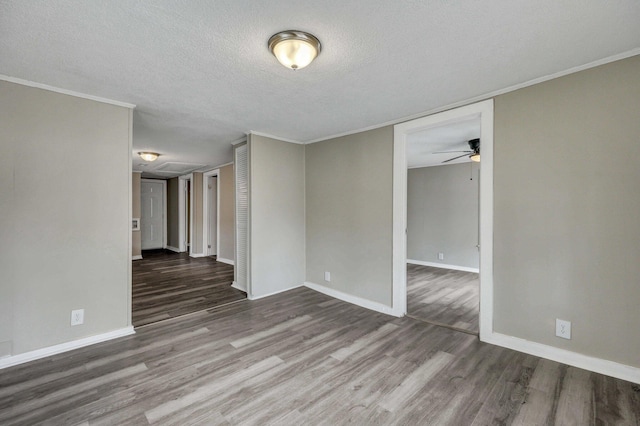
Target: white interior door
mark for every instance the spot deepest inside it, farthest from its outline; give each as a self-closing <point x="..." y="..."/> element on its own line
<point x="152" y="214"/>
<point x="212" y="208"/>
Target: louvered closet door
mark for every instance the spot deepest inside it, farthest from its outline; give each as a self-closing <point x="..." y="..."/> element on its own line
<point x="242" y="216"/>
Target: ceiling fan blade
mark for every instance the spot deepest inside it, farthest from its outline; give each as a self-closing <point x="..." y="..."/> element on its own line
<point x="455" y="158"/>
<point x="448" y="152"/>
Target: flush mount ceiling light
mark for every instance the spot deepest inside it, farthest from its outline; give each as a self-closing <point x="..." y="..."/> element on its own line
<point x="294" y="49"/>
<point x="149" y="156"/>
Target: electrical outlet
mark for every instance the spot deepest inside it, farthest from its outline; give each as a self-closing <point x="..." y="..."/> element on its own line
<point x="77" y="316"/>
<point x="327" y="276"/>
<point x="440" y="256"/>
<point x="563" y="329"/>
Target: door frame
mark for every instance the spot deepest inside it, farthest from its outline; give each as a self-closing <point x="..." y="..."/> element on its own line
<point x="164" y="207"/>
<point x="205" y="211"/>
<point x="484" y="110"/>
<point x="182" y="212"/>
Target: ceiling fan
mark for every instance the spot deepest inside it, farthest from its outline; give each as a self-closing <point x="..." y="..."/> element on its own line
<point x="473" y="153"/>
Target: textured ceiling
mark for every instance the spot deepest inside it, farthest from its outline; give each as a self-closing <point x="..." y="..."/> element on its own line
<point x="202" y="77"/>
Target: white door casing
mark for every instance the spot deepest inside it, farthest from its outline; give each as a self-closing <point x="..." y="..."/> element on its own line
<point x="185" y="213"/>
<point x="210" y="205"/>
<point x="484" y="110"/>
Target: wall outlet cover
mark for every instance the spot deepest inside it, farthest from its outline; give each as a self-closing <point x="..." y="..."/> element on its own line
<point x="563" y="329"/>
<point x="77" y="316"/>
<point x="327" y="276"/>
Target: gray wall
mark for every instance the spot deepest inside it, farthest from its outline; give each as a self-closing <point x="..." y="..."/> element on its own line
<point x="567" y="227"/>
<point x="227" y="195"/>
<point x="442" y="214"/>
<point x="173" y="212"/>
<point x="64" y="218"/>
<point x="276" y="215"/>
<point x="349" y="213"/>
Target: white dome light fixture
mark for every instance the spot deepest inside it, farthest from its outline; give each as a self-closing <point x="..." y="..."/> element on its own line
<point x="149" y="156"/>
<point x="294" y="49"/>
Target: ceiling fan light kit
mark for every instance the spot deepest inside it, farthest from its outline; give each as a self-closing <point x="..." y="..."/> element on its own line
<point x="294" y="49"/>
<point x="473" y="153"/>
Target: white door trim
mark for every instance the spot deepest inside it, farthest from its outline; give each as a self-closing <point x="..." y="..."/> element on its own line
<point x="205" y="211"/>
<point x="484" y="110"/>
<point x="182" y="213"/>
<point x="164" y="207"/>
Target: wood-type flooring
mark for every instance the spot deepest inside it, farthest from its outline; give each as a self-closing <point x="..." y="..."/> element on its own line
<point x="302" y="358"/>
<point x="443" y="297"/>
<point x="167" y="285"/>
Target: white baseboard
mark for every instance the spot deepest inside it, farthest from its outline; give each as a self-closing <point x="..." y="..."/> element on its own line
<point x="136" y="257"/>
<point x="223" y="260"/>
<point x="237" y="286"/>
<point x="64" y="347"/>
<point x="262" y="296"/>
<point x="602" y="366"/>
<point x="177" y="250"/>
<point x="197" y="255"/>
<point x="374" y="306"/>
<point x="443" y="265"/>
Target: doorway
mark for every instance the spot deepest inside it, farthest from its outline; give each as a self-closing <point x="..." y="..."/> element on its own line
<point x="185" y="200"/>
<point x="483" y="111"/>
<point x="189" y="278"/>
<point x="442" y="225"/>
<point x="210" y="203"/>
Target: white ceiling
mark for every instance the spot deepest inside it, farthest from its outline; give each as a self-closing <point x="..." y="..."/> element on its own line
<point x="422" y="146"/>
<point x="202" y="77"/>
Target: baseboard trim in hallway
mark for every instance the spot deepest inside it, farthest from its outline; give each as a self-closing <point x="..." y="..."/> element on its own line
<point x="443" y="266"/>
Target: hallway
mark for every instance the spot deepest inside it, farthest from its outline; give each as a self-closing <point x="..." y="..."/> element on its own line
<point x="168" y="285"/>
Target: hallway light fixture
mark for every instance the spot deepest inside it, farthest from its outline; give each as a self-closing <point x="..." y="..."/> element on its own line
<point x="149" y="156"/>
<point x="294" y="49"/>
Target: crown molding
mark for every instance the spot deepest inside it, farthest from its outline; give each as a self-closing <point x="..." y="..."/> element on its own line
<point x="265" y="135"/>
<point x="65" y="91"/>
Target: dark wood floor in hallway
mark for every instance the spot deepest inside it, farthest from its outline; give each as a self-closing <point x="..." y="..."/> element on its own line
<point x="303" y="358"/>
<point x="167" y="285"/>
<point x="444" y="296"/>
